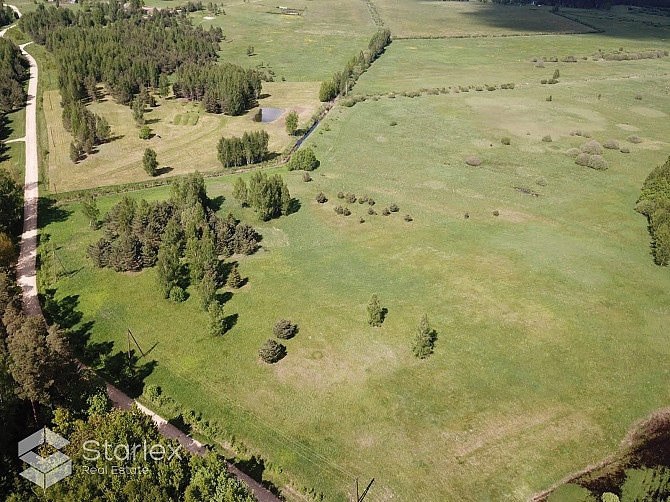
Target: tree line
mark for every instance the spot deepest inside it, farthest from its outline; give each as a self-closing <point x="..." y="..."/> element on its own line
<point x="343" y="81"/>
<point x="268" y="196"/>
<point x="7" y="15"/>
<point x="251" y="148"/>
<point x="654" y="203"/>
<point x="14" y="69"/>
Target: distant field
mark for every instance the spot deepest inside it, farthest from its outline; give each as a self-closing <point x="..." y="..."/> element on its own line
<point x="431" y="18"/>
<point x="536" y="309"/>
<point x="180" y="148"/>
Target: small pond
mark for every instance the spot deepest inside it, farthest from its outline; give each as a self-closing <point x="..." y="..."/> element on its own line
<point x="267" y="114"/>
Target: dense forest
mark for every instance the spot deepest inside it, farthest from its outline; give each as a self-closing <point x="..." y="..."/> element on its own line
<point x="654" y="203"/>
<point x="7" y="15"/>
<point x="14" y="69"/>
<point x="108" y="44"/>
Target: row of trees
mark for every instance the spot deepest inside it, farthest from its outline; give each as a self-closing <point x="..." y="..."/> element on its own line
<point x="268" y="196"/>
<point x="88" y="129"/>
<point x="7" y="15"/>
<point x="654" y="203"/>
<point x="14" y="69"/>
<point x="251" y="148"/>
<point x="11" y="217"/>
<point x="344" y="81"/>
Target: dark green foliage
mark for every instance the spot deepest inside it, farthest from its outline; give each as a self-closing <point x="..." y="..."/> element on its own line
<point x="7" y="15"/>
<point x="150" y="162"/>
<point x="327" y="91"/>
<point x="654" y="203"/>
<point x="375" y="312"/>
<point x="240" y="191"/>
<point x="145" y="132"/>
<point x="207" y="288"/>
<point x="303" y="159"/>
<point x="11" y="205"/>
<point x="75" y="151"/>
<point x="321" y="198"/>
<point x="423" y="342"/>
<point x="284" y="329"/>
<point x="90" y="209"/>
<point x="292" y="123"/>
<point x="13" y="72"/>
<point x="271" y="351"/>
<point x="645" y="484"/>
<point x="269" y="196"/>
<point x="217" y="319"/>
<point x="168" y="270"/>
<point x="251" y="148"/>
<point x="506" y="140"/>
<point x="177" y="294"/>
<point x="346" y="211"/>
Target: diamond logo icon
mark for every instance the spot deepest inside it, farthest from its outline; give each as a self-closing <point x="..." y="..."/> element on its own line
<point x="45" y="471"/>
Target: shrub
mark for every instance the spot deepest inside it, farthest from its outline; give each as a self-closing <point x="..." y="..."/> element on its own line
<point x="284" y="329"/>
<point x="598" y="163"/>
<point x="371" y="212"/>
<point x="586" y="134"/>
<point x="583" y="159"/>
<point x="552" y="81"/>
<point x="339" y="209"/>
<point x="340" y="195"/>
<point x="473" y="161"/>
<point x="638" y="97"/>
<point x="550" y="98"/>
<point x="505" y="140"/>
<point x="346" y="211"/>
<point x="271" y="351"/>
<point x="321" y="198"/>
<point x="394" y="208"/>
<point x="625" y="150"/>
<point x="327" y="91"/>
<point x="466" y="216"/>
<point x="543" y="81"/>
<point x="424" y="339"/>
<point x="541" y="181"/>
<point x="634" y="139"/>
<point x="547" y="139"/>
<point x="177" y="294"/>
<point x="496" y="213"/>
<point x="375" y="312"/>
<point x="386" y="211"/>
<point x="361" y="220"/>
<point x="304" y="159"/>
<point x="592" y="148"/>
<point x="350" y="197"/>
<point x="611" y="144"/>
<point x="573" y="152"/>
<point x="145" y="132"/>
<point x="371" y="201"/>
<point x="306" y="177"/>
<point x="540" y="64"/>
<point x="393" y="123"/>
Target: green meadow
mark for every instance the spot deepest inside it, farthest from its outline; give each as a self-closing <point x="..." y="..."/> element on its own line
<point x="535" y="272"/>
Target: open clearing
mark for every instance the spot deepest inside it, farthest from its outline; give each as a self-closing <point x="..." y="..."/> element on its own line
<point x="551" y="317"/>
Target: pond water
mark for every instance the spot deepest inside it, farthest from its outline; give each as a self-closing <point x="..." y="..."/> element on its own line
<point x="267" y="114"/>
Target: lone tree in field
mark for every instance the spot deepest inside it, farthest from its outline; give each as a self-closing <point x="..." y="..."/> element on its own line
<point x="149" y="162"/>
<point x="234" y="278"/>
<point x="90" y="209"/>
<point x="424" y="340"/>
<point x="292" y="123"/>
<point x="271" y="351"/>
<point x="284" y="329"/>
<point x="375" y="312"/>
<point x="304" y="159"/>
<point x="217" y="319"/>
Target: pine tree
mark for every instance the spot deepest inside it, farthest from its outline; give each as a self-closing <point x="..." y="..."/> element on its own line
<point x="90" y="209"/>
<point x="150" y="162"/>
<point x="424" y="340"/>
<point x="375" y="312"/>
<point x="292" y="123"/>
<point x="167" y="268"/>
<point x="207" y="288"/>
<point x="271" y="351"/>
<point x="234" y="278"/>
<point x="217" y="319"/>
<point x="240" y="192"/>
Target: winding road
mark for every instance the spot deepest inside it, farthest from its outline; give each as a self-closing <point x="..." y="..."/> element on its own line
<point x="27" y="277"/>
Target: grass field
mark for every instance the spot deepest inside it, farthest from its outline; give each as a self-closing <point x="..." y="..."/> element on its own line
<point x="535" y="309"/>
<point x="185" y="136"/>
<point x="435" y="18"/>
<point x="551" y="317"/>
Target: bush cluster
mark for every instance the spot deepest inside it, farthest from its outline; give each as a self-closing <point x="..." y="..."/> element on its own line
<point x="611" y="144"/>
<point x="635" y="139"/>
<point x="592" y="148"/>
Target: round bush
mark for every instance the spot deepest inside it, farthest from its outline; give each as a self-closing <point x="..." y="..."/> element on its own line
<point x="371" y="201"/>
<point x="634" y="139"/>
<point x="340" y="195"/>
<point x="386" y="211"/>
<point x="303" y="159"/>
<point x="350" y="197"/>
<point x="505" y="140"/>
<point x="592" y="148"/>
<point x="473" y="161"/>
<point x="339" y="209"/>
<point x="361" y="220"/>
<point x="547" y="139"/>
<point x="541" y="181"/>
<point x="611" y="144"/>
<point x="371" y="212"/>
<point x="321" y="198"/>
<point x="466" y="215"/>
<point x="496" y="213"/>
<point x="346" y="211"/>
<point x="583" y="159"/>
<point x="177" y="294"/>
<point x="394" y="208"/>
<point x="408" y="217"/>
<point x="284" y="329"/>
<point x="573" y="152"/>
<point x="598" y="163"/>
<point x="393" y="123"/>
<point x="306" y="177"/>
<point x="625" y="150"/>
<point x="271" y="351"/>
<point x="586" y="134"/>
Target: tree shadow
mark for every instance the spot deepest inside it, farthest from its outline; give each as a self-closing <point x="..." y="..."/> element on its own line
<point x="163" y="170"/>
<point x="385" y="312"/>
<point x="216" y="202"/>
<point x="254" y="467"/>
<point x="124" y="371"/>
<point x="151" y="121"/>
<point x="180" y="424"/>
<point x="293" y="206"/>
<point x="62" y="312"/>
<point x="230" y="321"/>
<point x="223" y="297"/>
<point x="48" y="212"/>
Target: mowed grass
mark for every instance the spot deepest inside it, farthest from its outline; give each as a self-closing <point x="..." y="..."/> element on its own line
<point x="13" y="156"/>
<point x="306" y="47"/>
<point x="435" y="18"/>
<point x="550" y="317"/>
<point x="185" y="136"/>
